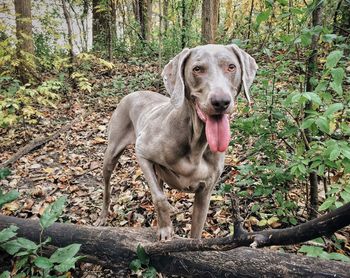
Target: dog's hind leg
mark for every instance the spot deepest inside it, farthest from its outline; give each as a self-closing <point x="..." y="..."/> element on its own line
<point x="121" y="134"/>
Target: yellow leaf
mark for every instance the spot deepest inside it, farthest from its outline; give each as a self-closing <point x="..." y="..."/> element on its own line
<point x="216" y="198"/>
<point x="99" y="140"/>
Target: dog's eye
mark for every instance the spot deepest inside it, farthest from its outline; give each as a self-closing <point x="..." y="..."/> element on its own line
<point x="231" y="68"/>
<point x="198" y="69"/>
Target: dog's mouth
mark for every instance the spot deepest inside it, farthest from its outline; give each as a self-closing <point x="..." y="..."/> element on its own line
<point x="217" y="130"/>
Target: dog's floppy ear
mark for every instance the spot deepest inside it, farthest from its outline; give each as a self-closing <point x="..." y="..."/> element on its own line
<point x="173" y="78"/>
<point x="249" y="68"/>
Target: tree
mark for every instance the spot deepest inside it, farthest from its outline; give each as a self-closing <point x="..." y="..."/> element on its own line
<point x="210" y="18"/>
<point x="311" y="72"/>
<point x="24" y="34"/>
<point x="143" y="15"/>
<point x="70" y="35"/>
<point x="104" y="25"/>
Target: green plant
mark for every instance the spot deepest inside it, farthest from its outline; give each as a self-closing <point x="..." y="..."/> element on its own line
<point x="319" y="252"/>
<point x="28" y="254"/>
<point x="141" y="265"/>
<point x="22" y="103"/>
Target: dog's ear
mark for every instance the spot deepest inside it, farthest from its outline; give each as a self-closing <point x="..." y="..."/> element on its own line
<point x="173" y="78"/>
<point x="249" y="68"/>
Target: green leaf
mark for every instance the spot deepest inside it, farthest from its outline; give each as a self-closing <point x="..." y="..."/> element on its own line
<point x="43" y="263"/>
<point x="8" y="233"/>
<point x="329" y="37"/>
<point x="67" y="264"/>
<point x="333" y="58"/>
<point x="334" y="154"/>
<point x="21" y="262"/>
<point x="263" y="16"/>
<point x="142" y="255"/>
<point x="292" y="220"/>
<point x="312" y="251"/>
<point x="338" y="257"/>
<point x="323" y="124"/>
<point x="5" y="274"/>
<point x="255" y="207"/>
<point x="8" y="197"/>
<point x="15" y="245"/>
<point x="65" y="253"/>
<point x="150" y="272"/>
<point x="346" y="196"/>
<point x="306" y="38"/>
<point x="338" y="76"/>
<point x="314" y="97"/>
<point x="327" y="203"/>
<point x="135" y="265"/>
<point x="307" y="123"/>
<point x="52" y="212"/>
<point x="4" y="172"/>
<point x="333" y="108"/>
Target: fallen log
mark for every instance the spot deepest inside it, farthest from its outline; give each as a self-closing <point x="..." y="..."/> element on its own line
<point x="116" y="248"/>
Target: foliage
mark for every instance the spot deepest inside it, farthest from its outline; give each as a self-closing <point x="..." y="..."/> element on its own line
<point x="141" y="265"/>
<point x="21" y="103"/>
<point x="27" y="254"/>
<point x="318" y="251"/>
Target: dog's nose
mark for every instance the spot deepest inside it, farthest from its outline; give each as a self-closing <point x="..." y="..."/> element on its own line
<point x="220" y="103"/>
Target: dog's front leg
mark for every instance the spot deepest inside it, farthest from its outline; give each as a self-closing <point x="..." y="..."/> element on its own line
<point x="162" y="206"/>
<point x="200" y="211"/>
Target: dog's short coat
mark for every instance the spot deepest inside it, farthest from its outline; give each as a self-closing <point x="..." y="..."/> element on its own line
<point x="181" y="140"/>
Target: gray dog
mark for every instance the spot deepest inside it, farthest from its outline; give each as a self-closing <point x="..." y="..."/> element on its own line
<point x="181" y="140"/>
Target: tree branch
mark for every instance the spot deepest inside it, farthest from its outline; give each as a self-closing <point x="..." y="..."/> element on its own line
<point x="321" y="226"/>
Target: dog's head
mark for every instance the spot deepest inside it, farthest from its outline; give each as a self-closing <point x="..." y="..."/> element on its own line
<point x="211" y="76"/>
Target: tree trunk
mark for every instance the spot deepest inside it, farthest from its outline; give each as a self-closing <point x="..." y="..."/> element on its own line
<point x="165" y="15"/>
<point x="311" y="73"/>
<point x="116" y="248"/>
<point x="250" y="19"/>
<point x="24" y="34"/>
<point x="100" y="25"/>
<point x="149" y="7"/>
<point x="112" y="21"/>
<point x="210" y="17"/>
<point x="70" y="35"/>
<point x="183" y="24"/>
<point x="24" y="31"/>
<point x="139" y="10"/>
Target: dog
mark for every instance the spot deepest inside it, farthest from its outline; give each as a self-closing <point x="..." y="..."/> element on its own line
<point x="181" y="140"/>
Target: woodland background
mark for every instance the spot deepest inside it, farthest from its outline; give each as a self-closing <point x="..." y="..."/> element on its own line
<point x="64" y="65"/>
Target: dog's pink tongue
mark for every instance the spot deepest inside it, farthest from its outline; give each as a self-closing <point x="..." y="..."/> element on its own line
<point x="217" y="130"/>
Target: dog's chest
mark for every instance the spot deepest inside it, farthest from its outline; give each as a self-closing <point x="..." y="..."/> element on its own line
<point x="188" y="175"/>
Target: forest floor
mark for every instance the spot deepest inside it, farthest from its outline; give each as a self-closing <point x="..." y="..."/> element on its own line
<point x="71" y="165"/>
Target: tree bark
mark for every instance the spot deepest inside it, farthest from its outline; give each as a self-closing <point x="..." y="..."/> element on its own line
<point x="116" y="247"/>
<point x="250" y="19"/>
<point x="24" y="36"/>
<point x="183" y="24"/>
<point x="70" y="35"/>
<point x="149" y="8"/>
<point x="210" y="17"/>
<point x="24" y="31"/>
<point x="165" y="15"/>
<point x="139" y="10"/>
<point x="310" y="73"/>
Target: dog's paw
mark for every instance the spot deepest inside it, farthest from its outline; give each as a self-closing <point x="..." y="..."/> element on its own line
<point x="101" y="221"/>
<point x="165" y="233"/>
